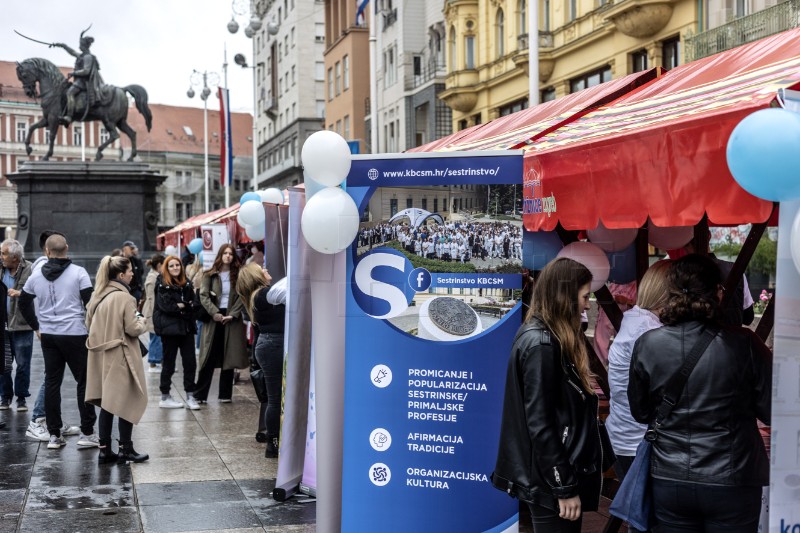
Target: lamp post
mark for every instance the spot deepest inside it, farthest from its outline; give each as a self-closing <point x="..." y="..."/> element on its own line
<point x="207" y="80"/>
<point x="247" y="9"/>
<point x="240" y="60"/>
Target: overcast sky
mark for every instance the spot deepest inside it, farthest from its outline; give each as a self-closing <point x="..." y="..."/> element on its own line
<point x="154" y="43"/>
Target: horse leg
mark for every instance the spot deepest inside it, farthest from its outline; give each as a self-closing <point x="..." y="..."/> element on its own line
<point x="36" y="125"/>
<point x="112" y="136"/>
<point x="131" y="133"/>
<point x="52" y="127"/>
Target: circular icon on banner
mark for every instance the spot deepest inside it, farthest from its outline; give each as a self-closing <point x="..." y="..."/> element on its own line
<point x="380" y="440"/>
<point x="420" y="279"/>
<point x="380" y="474"/>
<point x="372" y="174"/>
<point x="381" y="376"/>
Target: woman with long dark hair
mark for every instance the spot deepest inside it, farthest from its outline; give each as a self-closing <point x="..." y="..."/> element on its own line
<point x="550" y="453"/>
<point x="708" y="463"/>
<point x="222" y="341"/>
<point x="115" y="379"/>
<point x="267" y="311"/>
<point x="174" y="323"/>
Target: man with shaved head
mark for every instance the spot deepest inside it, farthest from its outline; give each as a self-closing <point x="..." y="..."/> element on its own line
<point x="61" y="290"/>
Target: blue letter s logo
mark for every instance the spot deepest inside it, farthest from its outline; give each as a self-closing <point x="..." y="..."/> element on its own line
<point x="380" y="283"/>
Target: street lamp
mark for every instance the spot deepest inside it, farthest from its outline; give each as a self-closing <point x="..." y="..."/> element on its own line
<point x="204" y="79"/>
<point x="240" y="60"/>
<point x="247" y="9"/>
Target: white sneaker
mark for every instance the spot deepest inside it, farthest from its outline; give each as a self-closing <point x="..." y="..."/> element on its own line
<point x="192" y="404"/>
<point x="154" y="369"/>
<point x="56" y="443"/>
<point x="37" y="429"/>
<point x="88" y="441"/>
<point x="170" y="403"/>
<point x="69" y="431"/>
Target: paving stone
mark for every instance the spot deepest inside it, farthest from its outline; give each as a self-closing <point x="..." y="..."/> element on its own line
<point x="122" y="520"/>
<point x="198" y="517"/>
<point x="11" y="501"/>
<point x="15" y="476"/>
<point x="182" y="493"/>
<point x="79" y="497"/>
<point x="87" y="473"/>
<point x="171" y="470"/>
<point x="274" y="513"/>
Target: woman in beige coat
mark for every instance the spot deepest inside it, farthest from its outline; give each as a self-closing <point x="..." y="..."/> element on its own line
<point x="222" y="340"/>
<point x="115" y="379"/>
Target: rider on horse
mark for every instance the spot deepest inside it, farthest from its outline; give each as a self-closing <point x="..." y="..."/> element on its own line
<point x="86" y="77"/>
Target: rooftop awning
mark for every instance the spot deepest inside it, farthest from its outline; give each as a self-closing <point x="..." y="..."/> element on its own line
<point x="659" y="151"/>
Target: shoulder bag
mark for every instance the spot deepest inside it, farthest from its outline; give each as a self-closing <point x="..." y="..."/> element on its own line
<point x="634" y="499"/>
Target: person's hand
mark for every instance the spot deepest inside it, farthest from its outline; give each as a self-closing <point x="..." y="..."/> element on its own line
<point x="38" y="335"/>
<point x="217" y="317"/>
<point x="226" y="319"/>
<point x="13" y="293"/>
<point x="570" y="509"/>
<point x="70" y="75"/>
<point x="181" y="306"/>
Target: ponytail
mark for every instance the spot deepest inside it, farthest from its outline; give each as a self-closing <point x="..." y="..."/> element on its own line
<point x="110" y="267"/>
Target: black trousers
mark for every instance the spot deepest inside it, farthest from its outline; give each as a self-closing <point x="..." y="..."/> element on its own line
<point x="683" y="507"/>
<point x="215" y="359"/>
<point x="106" y="422"/>
<point x="269" y="355"/>
<point x="171" y="344"/>
<point x="547" y="521"/>
<point x="60" y="351"/>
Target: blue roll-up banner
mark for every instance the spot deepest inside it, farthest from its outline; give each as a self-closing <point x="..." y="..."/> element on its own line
<point x="426" y="359"/>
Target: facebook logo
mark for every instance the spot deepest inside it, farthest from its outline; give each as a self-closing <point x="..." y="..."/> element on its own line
<point x="419" y="279"/>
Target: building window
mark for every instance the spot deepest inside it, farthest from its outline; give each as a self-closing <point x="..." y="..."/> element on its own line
<point x="500" y="33"/>
<point x="435" y="205"/>
<point x="523" y="17"/>
<point x="548" y="94"/>
<point x="389" y="67"/>
<point x="77" y="133"/>
<point x="409" y="203"/>
<point x="573" y="9"/>
<point x="47" y="135"/>
<point x="463" y="124"/>
<point x="513" y="107"/>
<point x="469" y="51"/>
<point x="104" y="136"/>
<point x="452" y="48"/>
<point x="188" y="209"/>
<point x="338" y="127"/>
<point x="392" y="207"/>
<point x="22" y="131"/>
<point x="546" y="10"/>
<point x="639" y="60"/>
<point x="670" y="57"/>
<point x="330" y="84"/>
<point x="178" y="211"/>
<point x="346" y="133"/>
<point x="338" y="78"/>
<point x="590" y="79"/>
<point x="346" y="72"/>
<point x="319" y="71"/>
<point x="215" y="185"/>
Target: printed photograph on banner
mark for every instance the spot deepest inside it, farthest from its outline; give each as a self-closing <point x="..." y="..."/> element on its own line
<point x="454" y="271"/>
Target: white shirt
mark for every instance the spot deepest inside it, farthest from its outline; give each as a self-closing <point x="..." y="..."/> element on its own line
<point x="625" y="432"/>
<point x="59" y="307"/>
<point x="225" y="278"/>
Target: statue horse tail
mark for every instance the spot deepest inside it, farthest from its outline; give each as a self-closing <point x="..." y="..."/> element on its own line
<point x="140" y="96"/>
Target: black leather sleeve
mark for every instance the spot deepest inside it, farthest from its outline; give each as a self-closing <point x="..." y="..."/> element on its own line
<point x="762" y="372"/>
<point x="27" y="309"/>
<point x="639" y="387"/>
<point x="541" y="374"/>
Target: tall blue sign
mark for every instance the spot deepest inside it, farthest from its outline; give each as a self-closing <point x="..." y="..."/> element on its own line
<point x="425" y="370"/>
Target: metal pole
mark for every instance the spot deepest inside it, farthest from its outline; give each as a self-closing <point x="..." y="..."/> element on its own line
<point x="205" y="145"/>
<point x="533" y="52"/>
<point x="225" y="75"/>
<point x="373" y="80"/>
<point x="255" y="129"/>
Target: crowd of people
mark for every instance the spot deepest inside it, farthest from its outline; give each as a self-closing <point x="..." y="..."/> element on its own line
<point x="98" y="333"/>
<point x="452" y="241"/>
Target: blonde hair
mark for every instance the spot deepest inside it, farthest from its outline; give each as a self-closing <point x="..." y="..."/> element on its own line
<point x="654" y="287"/>
<point x="555" y="302"/>
<point x="251" y="279"/>
<point x="110" y="267"/>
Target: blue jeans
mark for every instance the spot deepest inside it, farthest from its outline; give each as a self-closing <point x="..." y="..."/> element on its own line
<point x="155" y="351"/>
<point x="38" y="406"/>
<point x="21" y="349"/>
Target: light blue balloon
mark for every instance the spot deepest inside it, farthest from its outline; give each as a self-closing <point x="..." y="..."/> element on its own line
<point x="764" y="154"/>
<point x="246" y="197"/>
<point x="196" y="245"/>
<point x="312" y="186"/>
<point x="539" y="248"/>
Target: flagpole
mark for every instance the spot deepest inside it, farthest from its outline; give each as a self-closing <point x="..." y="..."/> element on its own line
<point x="373" y="78"/>
<point x="230" y="170"/>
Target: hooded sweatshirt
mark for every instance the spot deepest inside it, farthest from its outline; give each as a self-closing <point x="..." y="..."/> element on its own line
<point x="61" y="290"/>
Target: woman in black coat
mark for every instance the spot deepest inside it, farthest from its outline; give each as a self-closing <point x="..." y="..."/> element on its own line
<point x="174" y="322"/>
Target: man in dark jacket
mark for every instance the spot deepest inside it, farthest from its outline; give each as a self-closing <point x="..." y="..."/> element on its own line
<point x="14" y="273"/>
<point x="137" y="285"/>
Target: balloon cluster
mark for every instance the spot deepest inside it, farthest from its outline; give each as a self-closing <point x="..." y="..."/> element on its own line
<point x="251" y="211"/>
<point x="330" y="217"/>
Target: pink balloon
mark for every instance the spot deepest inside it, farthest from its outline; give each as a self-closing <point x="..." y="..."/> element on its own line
<point x="669" y="238"/>
<point x="592" y="257"/>
<point x="612" y="240"/>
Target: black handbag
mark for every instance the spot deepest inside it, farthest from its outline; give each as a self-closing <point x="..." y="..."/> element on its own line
<point x="259" y="383"/>
<point x="609" y="457"/>
<point x="143" y="348"/>
<point x="634" y="499"/>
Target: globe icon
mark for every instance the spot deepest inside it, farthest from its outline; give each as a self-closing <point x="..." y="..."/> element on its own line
<point x="373" y="174"/>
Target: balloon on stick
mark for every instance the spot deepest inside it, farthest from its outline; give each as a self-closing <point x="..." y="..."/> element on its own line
<point x="669" y="238"/>
<point x="196" y="245"/>
<point x="592" y="257"/>
<point x="794" y="241"/>
<point x="251" y="213"/>
<point x="246" y="197"/>
<point x="326" y="158"/>
<point x="612" y="240"/>
<point x="171" y="250"/>
<point x="763" y="154"/>
<point x="330" y="220"/>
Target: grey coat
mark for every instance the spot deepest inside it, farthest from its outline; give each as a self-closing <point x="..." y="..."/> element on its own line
<point x="15" y="320"/>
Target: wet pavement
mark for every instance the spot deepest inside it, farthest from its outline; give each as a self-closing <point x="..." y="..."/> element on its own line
<point x="206" y="472"/>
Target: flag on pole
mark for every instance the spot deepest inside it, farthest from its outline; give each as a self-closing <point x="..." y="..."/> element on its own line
<point x="226" y="147"/>
<point x="361" y="5"/>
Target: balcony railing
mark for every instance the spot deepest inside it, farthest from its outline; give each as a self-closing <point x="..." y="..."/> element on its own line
<point x="749" y="28"/>
<point x="429" y="70"/>
<point x="389" y="18"/>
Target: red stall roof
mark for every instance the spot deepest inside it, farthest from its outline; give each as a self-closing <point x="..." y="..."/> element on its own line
<point x="660" y="151"/>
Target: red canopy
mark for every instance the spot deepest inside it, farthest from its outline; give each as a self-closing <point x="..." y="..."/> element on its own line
<point x="190" y="228"/>
<point x="659" y="151"/>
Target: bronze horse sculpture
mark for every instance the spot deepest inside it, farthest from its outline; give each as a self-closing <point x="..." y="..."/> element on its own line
<point x="53" y="86"/>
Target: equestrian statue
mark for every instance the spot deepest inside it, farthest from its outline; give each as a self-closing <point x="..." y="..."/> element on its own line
<point x="87" y="98"/>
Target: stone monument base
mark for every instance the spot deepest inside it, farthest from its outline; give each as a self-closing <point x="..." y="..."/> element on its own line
<point x="97" y="205"/>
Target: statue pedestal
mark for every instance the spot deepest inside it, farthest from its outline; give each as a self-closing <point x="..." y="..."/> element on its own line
<point x="97" y="205"/>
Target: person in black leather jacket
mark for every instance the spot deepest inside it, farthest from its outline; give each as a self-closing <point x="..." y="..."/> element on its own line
<point x="708" y="462"/>
<point x="174" y="322"/>
<point x="550" y="453"/>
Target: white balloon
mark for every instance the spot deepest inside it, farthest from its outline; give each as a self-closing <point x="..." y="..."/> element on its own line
<point x="330" y="220"/>
<point x="239" y="218"/>
<point x="251" y="213"/>
<point x="670" y="238"/>
<point x="326" y="158"/>
<point x="271" y="196"/>
<point x="794" y="241"/>
<point x="255" y="232"/>
<point x="612" y="240"/>
<point x="592" y="257"/>
<point x="171" y="250"/>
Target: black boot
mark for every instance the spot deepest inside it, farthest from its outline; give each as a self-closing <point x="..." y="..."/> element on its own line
<point x="272" y="448"/>
<point x="128" y="455"/>
<point x="106" y="454"/>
